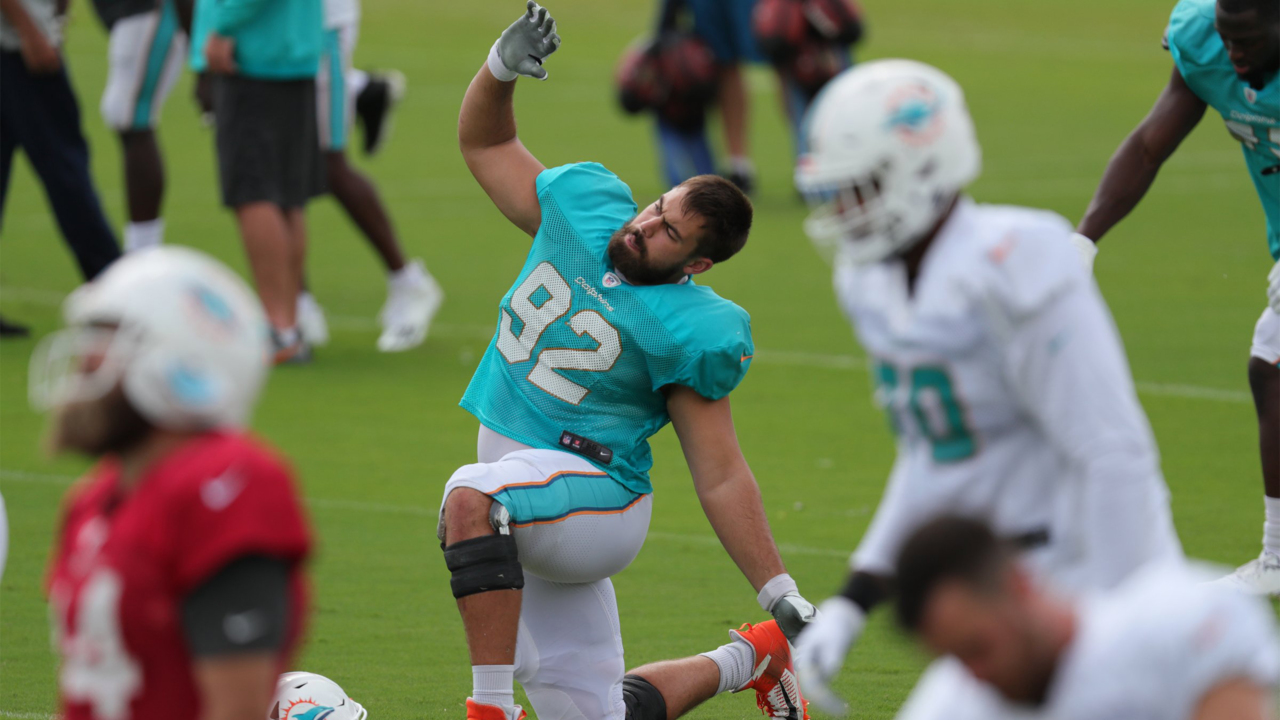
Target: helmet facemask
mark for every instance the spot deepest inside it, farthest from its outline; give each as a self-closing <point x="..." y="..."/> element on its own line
<point x="80" y="364"/>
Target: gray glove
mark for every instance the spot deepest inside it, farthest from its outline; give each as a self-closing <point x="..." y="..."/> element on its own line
<point x="523" y="46"/>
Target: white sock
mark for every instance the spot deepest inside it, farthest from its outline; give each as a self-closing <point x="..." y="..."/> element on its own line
<point x="494" y="685"/>
<point x="412" y="275"/>
<point x="737" y="663"/>
<point x="141" y="235"/>
<point x="357" y="79"/>
<point x="288" y="337"/>
<point x="1271" y="528"/>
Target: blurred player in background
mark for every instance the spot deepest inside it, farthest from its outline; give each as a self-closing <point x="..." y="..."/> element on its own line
<point x="725" y="25"/>
<point x="993" y="354"/>
<point x="40" y="115"/>
<point x="175" y="582"/>
<point x="1161" y="645"/>
<point x="144" y="59"/>
<point x="413" y="296"/>
<point x="1225" y="55"/>
<point x="603" y="339"/>
<point x="263" y="59"/>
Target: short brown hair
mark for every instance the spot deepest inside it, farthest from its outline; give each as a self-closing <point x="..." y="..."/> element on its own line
<point x="946" y="548"/>
<point x="726" y="215"/>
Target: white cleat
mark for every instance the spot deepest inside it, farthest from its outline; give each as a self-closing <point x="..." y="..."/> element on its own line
<point x="1260" y="576"/>
<point x="311" y="320"/>
<point x="413" y="299"/>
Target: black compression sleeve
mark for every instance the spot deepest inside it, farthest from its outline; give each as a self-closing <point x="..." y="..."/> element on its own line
<point x="243" y="608"/>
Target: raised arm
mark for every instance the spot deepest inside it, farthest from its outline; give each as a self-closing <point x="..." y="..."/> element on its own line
<point x="731" y="500"/>
<point x="1134" y="166"/>
<point x="502" y="165"/>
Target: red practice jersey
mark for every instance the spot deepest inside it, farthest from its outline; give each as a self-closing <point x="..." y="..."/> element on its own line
<point x="123" y="563"/>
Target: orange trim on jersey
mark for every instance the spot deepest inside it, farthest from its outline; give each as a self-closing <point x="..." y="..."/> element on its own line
<point x="548" y="480"/>
<point x="582" y="512"/>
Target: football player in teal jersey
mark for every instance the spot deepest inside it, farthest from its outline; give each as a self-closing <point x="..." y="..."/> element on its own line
<point x="603" y="339"/>
<point x="1225" y="55"/>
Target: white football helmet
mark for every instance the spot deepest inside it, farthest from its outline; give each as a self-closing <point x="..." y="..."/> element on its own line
<point x="890" y="144"/>
<point x="184" y="335"/>
<point x="307" y="696"/>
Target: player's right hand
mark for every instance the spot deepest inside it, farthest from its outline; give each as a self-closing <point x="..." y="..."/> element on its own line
<point x="821" y="649"/>
<point x="523" y="46"/>
<point x="1273" y="288"/>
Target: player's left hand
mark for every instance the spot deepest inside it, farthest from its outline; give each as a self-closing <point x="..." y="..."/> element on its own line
<point x="1273" y="288"/>
<point x="793" y="614"/>
<point x="220" y="54"/>
<point x="821" y="650"/>
<point x="524" y="45"/>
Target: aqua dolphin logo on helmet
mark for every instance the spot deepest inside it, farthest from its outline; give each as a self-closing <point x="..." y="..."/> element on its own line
<point x="210" y="309"/>
<point x="307" y="709"/>
<point x="913" y="114"/>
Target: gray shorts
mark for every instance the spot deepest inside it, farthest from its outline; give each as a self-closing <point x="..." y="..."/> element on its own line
<point x="268" y="144"/>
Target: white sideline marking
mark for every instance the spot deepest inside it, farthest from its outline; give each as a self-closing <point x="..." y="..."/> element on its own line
<point x="419" y="511"/>
<point x="28" y="715"/>
<point x="791" y="358"/>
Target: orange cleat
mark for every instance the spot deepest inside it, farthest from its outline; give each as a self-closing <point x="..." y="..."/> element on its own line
<point x="476" y="711"/>
<point x="777" y="692"/>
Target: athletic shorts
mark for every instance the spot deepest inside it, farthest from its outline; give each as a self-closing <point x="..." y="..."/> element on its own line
<point x="574" y="527"/>
<point x="1266" y="337"/>
<point x="268" y="146"/>
<point x="726" y="26"/>
<point x="145" y="55"/>
<point x="335" y="105"/>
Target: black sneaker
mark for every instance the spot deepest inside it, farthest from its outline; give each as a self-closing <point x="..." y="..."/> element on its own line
<point x="374" y="105"/>
<point x="746" y="182"/>
<point x="13" y="330"/>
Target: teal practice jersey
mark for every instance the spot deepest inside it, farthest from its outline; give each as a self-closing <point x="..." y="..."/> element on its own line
<point x="1252" y="116"/>
<point x="579" y="352"/>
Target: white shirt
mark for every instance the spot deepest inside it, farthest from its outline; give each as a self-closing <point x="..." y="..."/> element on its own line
<point x="1152" y="649"/>
<point x="1007" y="382"/>
<point x="44" y="14"/>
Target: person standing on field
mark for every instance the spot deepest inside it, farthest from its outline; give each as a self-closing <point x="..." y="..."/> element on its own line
<point x="263" y="57"/>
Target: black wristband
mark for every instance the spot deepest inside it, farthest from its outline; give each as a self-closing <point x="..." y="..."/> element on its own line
<point x="867" y="590"/>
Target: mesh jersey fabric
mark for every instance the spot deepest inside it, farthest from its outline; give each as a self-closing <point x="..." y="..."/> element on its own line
<point x="1252" y="116"/>
<point x="577" y="350"/>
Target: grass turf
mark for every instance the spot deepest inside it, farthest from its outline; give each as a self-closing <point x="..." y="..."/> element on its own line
<point x="1053" y="87"/>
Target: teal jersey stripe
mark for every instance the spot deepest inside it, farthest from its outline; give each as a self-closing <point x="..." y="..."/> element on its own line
<point x="337" y="92"/>
<point x="160" y="46"/>
<point x="565" y="494"/>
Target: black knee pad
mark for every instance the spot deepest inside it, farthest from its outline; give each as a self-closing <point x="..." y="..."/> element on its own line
<point x="643" y="700"/>
<point x="483" y="564"/>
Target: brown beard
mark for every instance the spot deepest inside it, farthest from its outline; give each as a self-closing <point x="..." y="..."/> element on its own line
<point x="98" y="427"/>
<point x="634" y="266"/>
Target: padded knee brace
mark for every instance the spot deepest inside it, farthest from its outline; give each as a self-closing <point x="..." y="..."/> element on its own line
<point x="643" y="700"/>
<point x="483" y="564"/>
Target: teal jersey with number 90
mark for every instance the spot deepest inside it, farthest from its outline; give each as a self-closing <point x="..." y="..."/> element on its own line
<point x="580" y="351"/>
<point x="1252" y="115"/>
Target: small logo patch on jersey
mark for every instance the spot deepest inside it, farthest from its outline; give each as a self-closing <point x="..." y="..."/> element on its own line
<point x="221" y="491"/>
<point x="1250" y="95"/>
<point x="610" y="280"/>
<point x="582" y="283"/>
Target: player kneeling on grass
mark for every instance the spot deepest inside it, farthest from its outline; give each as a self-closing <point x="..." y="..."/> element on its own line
<point x="994" y="355"/>
<point x="603" y="339"/>
<point x="176" y="581"/>
<point x="1163" y="644"/>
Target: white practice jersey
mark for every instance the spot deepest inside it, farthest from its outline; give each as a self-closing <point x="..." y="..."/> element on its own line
<point x="340" y="13"/>
<point x="1155" y="646"/>
<point x="1005" y="380"/>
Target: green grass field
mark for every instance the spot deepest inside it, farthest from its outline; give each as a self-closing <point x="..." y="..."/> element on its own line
<point x="1054" y="87"/>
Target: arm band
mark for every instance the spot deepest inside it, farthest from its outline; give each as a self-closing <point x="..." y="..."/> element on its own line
<point x="243" y="608"/>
